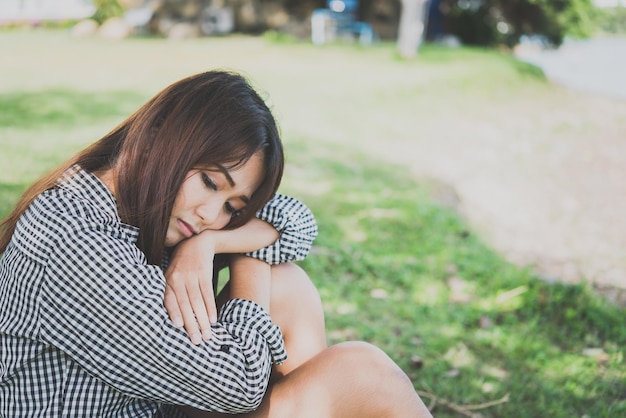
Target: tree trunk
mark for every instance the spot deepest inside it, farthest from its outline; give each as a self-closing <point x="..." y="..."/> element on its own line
<point x="411" y="30"/>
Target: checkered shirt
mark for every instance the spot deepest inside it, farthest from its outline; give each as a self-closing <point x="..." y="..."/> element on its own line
<point x="83" y="329"/>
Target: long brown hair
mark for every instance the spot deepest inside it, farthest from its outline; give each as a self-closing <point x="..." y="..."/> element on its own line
<point x="212" y="118"/>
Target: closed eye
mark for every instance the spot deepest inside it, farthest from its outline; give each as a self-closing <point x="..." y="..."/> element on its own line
<point x="208" y="182"/>
<point x="230" y="209"/>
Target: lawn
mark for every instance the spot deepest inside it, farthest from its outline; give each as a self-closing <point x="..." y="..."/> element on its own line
<point x="394" y="265"/>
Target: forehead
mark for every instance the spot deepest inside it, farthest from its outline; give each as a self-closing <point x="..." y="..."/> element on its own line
<point x="248" y="175"/>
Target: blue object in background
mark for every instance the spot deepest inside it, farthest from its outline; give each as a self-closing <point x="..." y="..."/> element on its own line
<point x="339" y="18"/>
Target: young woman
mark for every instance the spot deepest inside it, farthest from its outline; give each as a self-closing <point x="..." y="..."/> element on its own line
<point x="107" y="307"/>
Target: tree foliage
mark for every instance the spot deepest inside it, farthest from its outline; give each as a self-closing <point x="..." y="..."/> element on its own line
<point x="610" y="20"/>
<point x="493" y="22"/>
<point x="474" y="22"/>
<point x="106" y="9"/>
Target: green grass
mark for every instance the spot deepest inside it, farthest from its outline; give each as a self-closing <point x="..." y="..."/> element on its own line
<point x="393" y="267"/>
<point x="386" y="262"/>
<point x="62" y="107"/>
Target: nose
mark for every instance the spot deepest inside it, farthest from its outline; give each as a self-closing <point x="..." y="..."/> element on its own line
<point x="212" y="214"/>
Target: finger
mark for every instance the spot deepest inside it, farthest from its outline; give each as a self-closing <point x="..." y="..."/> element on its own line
<point x="171" y="305"/>
<point x="206" y="287"/>
<point x="200" y="311"/>
<point x="208" y="299"/>
<point x="189" y="319"/>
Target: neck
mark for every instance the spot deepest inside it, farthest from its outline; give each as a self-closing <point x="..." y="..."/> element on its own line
<point x="108" y="178"/>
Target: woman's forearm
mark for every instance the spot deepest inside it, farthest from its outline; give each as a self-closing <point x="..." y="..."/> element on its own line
<point x="252" y="236"/>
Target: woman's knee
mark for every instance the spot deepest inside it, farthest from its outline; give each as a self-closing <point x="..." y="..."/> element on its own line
<point x="367" y="367"/>
<point x="377" y="378"/>
<point x="366" y="358"/>
<point x="292" y="288"/>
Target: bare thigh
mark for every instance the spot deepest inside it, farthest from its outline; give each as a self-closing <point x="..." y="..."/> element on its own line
<point x="347" y="380"/>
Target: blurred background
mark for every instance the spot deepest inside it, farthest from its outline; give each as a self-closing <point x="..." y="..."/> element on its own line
<point x="464" y="159"/>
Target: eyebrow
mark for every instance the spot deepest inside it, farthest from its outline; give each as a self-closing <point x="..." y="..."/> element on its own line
<point x="230" y="180"/>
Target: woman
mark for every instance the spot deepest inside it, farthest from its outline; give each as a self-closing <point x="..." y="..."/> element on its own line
<point x="92" y="309"/>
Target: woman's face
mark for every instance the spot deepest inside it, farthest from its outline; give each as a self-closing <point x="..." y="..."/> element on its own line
<point x="209" y="197"/>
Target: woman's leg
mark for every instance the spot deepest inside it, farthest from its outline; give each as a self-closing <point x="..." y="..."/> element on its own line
<point x="296" y="307"/>
<point x="346" y="380"/>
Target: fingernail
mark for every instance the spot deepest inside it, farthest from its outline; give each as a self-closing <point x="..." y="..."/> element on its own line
<point x="178" y="322"/>
<point x="206" y="335"/>
<point x="196" y="338"/>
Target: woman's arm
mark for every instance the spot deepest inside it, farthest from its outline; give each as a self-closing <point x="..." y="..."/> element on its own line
<point x="296" y="226"/>
<point x="189" y="297"/>
<point x="102" y="306"/>
<point x="283" y="231"/>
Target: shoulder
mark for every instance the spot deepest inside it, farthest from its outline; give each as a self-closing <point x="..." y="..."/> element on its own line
<point x="65" y="214"/>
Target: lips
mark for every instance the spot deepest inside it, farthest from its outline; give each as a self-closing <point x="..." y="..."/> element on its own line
<point x="186" y="229"/>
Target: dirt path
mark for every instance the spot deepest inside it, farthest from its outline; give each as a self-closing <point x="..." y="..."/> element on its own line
<point x="547" y="191"/>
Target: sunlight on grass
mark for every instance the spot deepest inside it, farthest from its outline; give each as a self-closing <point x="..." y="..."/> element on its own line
<point x="439" y="286"/>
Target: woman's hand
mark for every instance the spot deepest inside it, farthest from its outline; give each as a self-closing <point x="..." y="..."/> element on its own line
<point x="189" y="297"/>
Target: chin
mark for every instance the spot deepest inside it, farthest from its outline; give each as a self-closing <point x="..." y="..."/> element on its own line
<point x="169" y="242"/>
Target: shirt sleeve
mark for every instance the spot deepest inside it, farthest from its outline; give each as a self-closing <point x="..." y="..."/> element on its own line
<point x="102" y="305"/>
<point x="296" y="225"/>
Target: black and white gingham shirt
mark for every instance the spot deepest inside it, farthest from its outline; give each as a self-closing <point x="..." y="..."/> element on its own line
<point x="83" y="330"/>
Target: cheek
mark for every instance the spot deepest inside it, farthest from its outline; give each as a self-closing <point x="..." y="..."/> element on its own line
<point x="224" y="220"/>
<point x="178" y="211"/>
<point x="186" y="194"/>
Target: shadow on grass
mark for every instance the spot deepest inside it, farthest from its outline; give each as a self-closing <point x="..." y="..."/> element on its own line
<point x="52" y="107"/>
